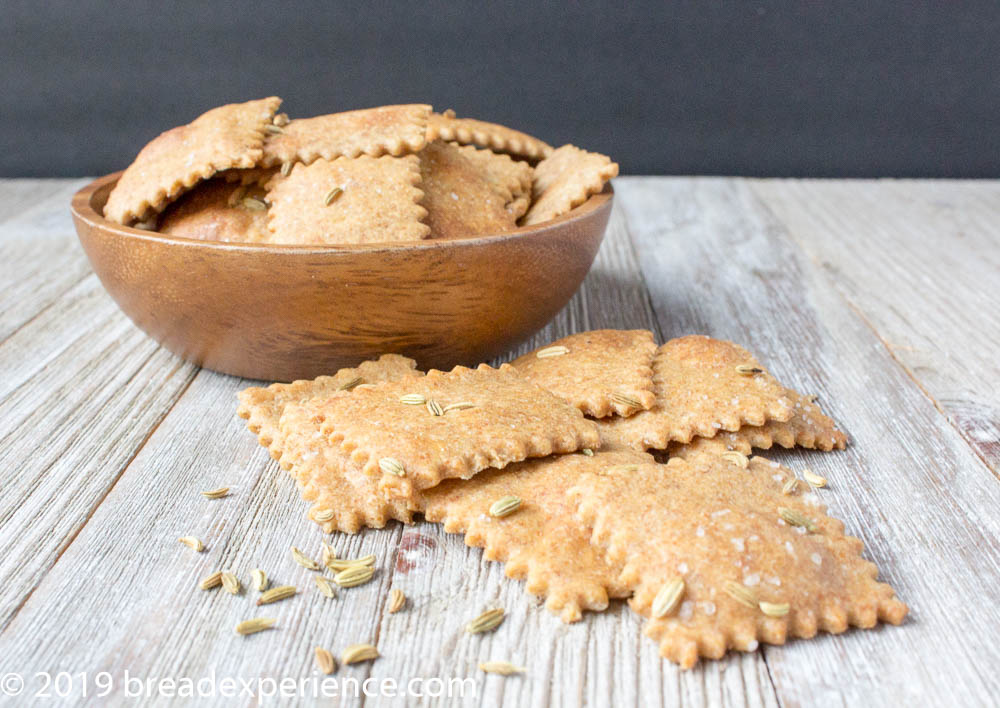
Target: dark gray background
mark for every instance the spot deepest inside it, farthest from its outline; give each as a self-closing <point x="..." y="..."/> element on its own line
<point x="752" y="88"/>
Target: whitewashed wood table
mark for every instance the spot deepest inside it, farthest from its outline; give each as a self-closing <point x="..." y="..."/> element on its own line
<point x="881" y="297"/>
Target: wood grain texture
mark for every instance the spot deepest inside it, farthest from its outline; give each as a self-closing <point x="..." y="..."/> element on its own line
<point x="920" y="261"/>
<point x="106" y="480"/>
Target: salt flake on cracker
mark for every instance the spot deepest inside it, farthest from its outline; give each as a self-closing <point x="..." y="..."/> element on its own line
<point x="808" y="427"/>
<point x="603" y="372"/>
<point x="392" y="130"/>
<point x="565" y="180"/>
<point x="230" y="136"/>
<point x="542" y="542"/>
<point x="500" y="138"/>
<point x="348" y="200"/>
<point x="720" y="557"/>
<point x="460" y="199"/>
<point x="703" y="386"/>
<point x="472" y="419"/>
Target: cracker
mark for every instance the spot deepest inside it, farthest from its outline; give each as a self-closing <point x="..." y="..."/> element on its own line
<point x="503" y="419"/>
<point x="459" y="199"/>
<point x="541" y="542"/>
<point x="262" y="407"/>
<point x="378" y="202"/>
<point x="711" y="523"/>
<point x="565" y="180"/>
<point x="392" y="130"/>
<point x="699" y="391"/>
<point x="218" y="210"/>
<point x="255" y="176"/>
<point x="500" y="138"/>
<point x="808" y="427"/>
<point x="342" y="498"/>
<point x="603" y="372"/>
<point x="223" y="138"/>
<point x="512" y="177"/>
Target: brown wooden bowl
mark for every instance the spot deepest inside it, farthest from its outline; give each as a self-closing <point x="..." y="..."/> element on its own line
<point x="281" y="313"/>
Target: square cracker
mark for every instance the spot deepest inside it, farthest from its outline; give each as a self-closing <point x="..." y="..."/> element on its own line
<point x="502" y="419"/>
<point x="699" y="391"/>
<point x="218" y="210"/>
<point x="565" y="180"/>
<point x="499" y="138"/>
<point x="511" y="177"/>
<point x="223" y="138"/>
<point x="720" y="529"/>
<point x="541" y="542"/>
<point x="379" y="202"/>
<point x="262" y="407"/>
<point x="460" y="199"/>
<point x="343" y="499"/>
<point x="393" y="130"/>
<point x="603" y="372"/>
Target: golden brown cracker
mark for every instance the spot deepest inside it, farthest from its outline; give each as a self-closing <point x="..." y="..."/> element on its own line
<point x="473" y="419"/>
<point x="602" y="372"/>
<point x="566" y="179"/>
<point x="348" y="200"/>
<point x="218" y="210"/>
<point x="541" y="542"/>
<point x="735" y="540"/>
<point x="808" y="427"/>
<point x="223" y="138"/>
<point x="460" y="200"/>
<point x="262" y="407"/>
<point x="392" y="130"/>
<point x="500" y="138"/>
<point x="512" y="177"/>
<point x="700" y="391"/>
<point x="342" y="499"/>
<point x="254" y="176"/>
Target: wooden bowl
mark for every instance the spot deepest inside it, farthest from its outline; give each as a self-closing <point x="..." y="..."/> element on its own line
<point x="281" y="313"/>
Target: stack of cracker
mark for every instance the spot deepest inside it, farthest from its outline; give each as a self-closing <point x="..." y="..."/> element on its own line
<point x="545" y="463"/>
<point x="246" y="173"/>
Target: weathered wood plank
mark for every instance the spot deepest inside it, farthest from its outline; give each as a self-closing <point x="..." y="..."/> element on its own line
<point x="39" y="257"/>
<point x="717" y="261"/>
<point x="143" y="582"/>
<point x="921" y="261"/>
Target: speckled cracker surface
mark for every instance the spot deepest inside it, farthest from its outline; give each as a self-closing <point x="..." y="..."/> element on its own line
<point x="343" y="499"/>
<point x="541" y="542"/>
<point x="392" y="130"/>
<point x="218" y="210"/>
<point x="496" y="418"/>
<point x="224" y="137"/>
<point x="379" y="201"/>
<point x="720" y="529"/>
<point x="808" y="427"/>
<point x="565" y="180"/>
<point x="262" y="407"/>
<point x="700" y="391"/>
<point x="603" y="372"/>
<point x="469" y="131"/>
<point x="459" y="198"/>
<point x="512" y="178"/>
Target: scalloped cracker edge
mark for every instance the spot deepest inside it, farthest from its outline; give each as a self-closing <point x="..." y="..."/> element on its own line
<point x="566" y="179"/>
<point x="716" y="525"/>
<point x="230" y="136"/>
<point x="386" y="130"/>
<point x="505" y="419"/>
<point x="603" y="372"/>
<point x="496" y="137"/>
<point x="700" y="392"/>
<point x="378" y="202"/>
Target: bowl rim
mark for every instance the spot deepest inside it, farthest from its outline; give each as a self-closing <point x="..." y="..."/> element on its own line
<point x="82" y="208"/>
